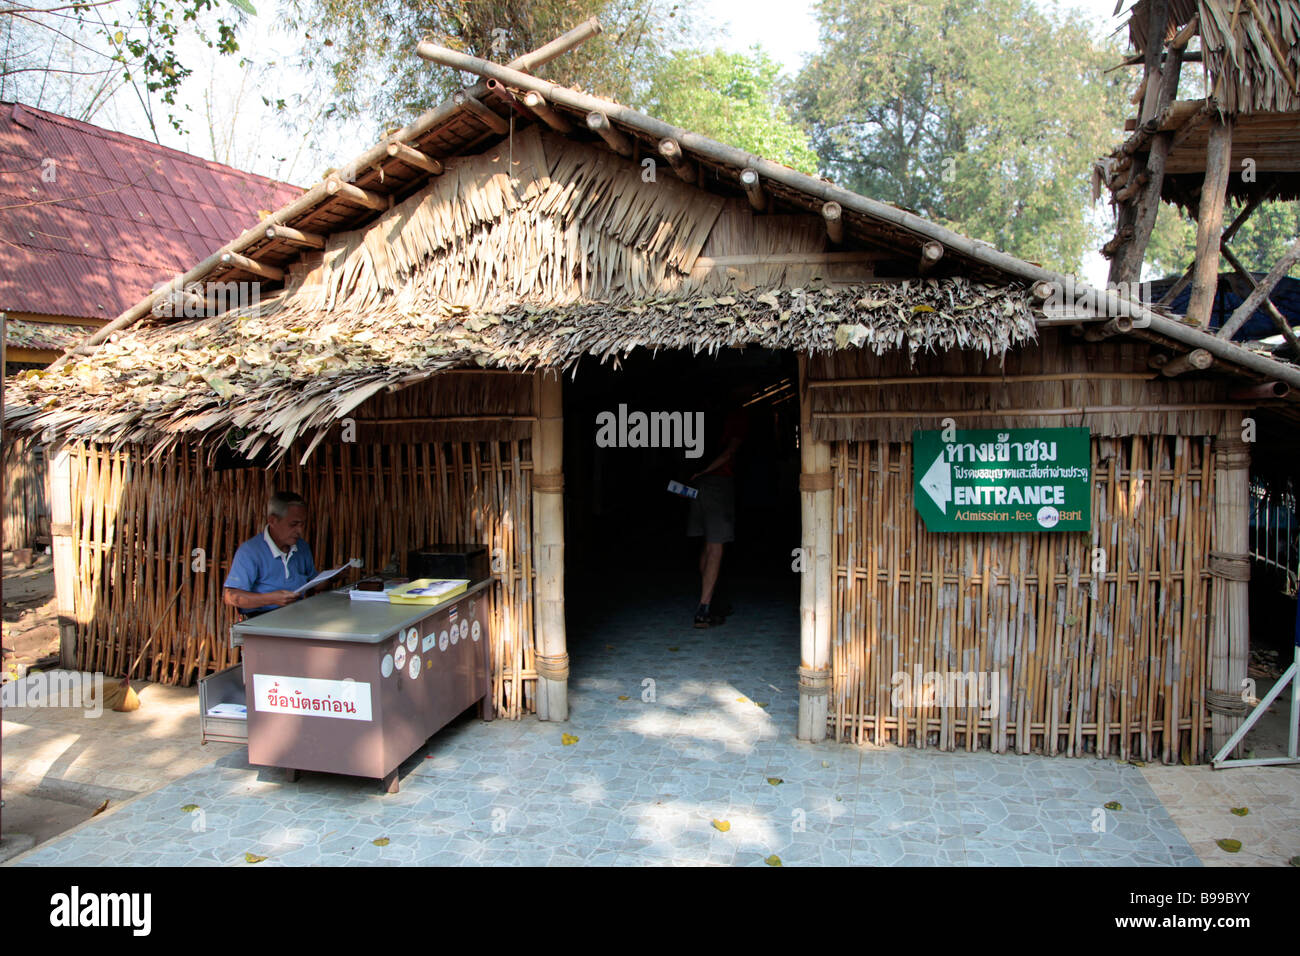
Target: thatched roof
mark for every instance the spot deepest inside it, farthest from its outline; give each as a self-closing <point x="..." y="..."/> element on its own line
<point x="476" y="238"/>
<point x="568" y="257"/>
<point x="1242" y="72"/>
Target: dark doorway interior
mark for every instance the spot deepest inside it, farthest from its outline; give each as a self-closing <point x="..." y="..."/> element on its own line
<point x="625" y="534"/>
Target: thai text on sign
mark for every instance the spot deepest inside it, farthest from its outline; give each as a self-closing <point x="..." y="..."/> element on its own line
<point x="311" y="697"/>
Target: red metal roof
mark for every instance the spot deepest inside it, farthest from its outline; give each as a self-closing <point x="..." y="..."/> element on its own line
<point x="120" y="216"/>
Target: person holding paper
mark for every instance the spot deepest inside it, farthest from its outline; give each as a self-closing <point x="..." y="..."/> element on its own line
<point x="270" y="569"/>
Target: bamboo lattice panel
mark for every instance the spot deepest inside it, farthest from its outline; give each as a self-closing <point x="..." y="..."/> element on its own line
<point x="137" y="523"/>
<point x="1121" y="669"/>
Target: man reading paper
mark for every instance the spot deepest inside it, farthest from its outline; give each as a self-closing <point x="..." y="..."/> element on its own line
<point x="269" y="569"/>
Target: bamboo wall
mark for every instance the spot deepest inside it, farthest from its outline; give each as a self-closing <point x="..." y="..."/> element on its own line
<point x="26" y="507"/>
<point x="1110" y="663"/>
<point x="136" y="523"/>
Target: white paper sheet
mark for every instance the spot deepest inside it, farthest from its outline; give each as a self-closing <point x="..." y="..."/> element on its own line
<point x="321" y="578"/>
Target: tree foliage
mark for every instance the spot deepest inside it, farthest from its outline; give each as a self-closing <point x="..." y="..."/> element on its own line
<point x="733" y="98"/>
<point x="983" y="115"/>
<point x="364" y="50"/>
<point x="97" y="46"/>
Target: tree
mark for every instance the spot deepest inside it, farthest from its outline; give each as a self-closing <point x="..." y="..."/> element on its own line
<point x="733" y="98"/>
<point x="363" y="51"/>
<point x="1259" y="243"/>
<point x="983" y="115"/>
<point x="94" y="47"/>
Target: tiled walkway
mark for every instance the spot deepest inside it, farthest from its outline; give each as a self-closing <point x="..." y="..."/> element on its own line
<point x="706" y="729"/>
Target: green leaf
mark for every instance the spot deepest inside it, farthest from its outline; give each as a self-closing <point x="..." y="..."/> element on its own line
<point x="1229" y="846"/>
<point x="245" y="6"/>
<point x="1240" y="811"/>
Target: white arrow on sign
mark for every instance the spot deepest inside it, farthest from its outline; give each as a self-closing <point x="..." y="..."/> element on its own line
<point x="938" y="483"/>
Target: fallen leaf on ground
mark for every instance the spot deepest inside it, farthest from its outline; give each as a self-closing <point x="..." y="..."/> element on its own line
<point x="189" y="807"/>
<point x="1229" y="846"/>
<point x="760" y="703"/>
<point x="623" y="697"/>
<point x="722" y="825"/>
<point x="100" y="809"/>
<point x="1114" y="805"/>
<point x="1240" y="811"/>
<point x="826" y="763"/>
<point x="773" y="860"/>
<point x="674" y="649"/>
<point x="568" y="739"/>
<point x="382" y="841"/>
<point x="1138" y="763"/>
<point x="742" y="700"/>
<point x="253" y="858"/>
<point x="775" y="781"/>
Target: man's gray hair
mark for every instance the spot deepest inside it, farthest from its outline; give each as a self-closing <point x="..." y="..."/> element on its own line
<point x="282" y="501"/>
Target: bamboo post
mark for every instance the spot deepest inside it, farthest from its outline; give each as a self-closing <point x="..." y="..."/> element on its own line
<point x="1205" y="274"/>
<point x="1230" y="567"/>
<point x="64" y="553"/>
<point x="815" y="585"/>
<point x="548" y="548"/>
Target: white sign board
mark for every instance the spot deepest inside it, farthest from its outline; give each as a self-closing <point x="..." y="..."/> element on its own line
<point x="311" y="697"/>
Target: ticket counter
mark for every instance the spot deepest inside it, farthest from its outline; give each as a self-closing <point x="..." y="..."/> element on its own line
<point x="356" y="687"/>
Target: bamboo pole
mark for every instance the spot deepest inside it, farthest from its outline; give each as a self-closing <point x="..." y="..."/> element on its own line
<point x="548" y="546"/>
<point x="63" y="550"/>
<point x="1230" y="649"/>
<point x="812" y="708"/>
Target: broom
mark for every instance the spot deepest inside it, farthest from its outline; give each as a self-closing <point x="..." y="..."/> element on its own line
<point x="120" y="697"/>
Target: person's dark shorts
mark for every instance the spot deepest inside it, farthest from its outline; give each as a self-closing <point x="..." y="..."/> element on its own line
<point x="713" y="512"/>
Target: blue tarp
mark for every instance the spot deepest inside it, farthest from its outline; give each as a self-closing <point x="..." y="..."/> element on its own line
<point x="1285" y="295"/>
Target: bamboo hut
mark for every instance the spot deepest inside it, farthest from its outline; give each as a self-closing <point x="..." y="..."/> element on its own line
<point x="403" y="369"/>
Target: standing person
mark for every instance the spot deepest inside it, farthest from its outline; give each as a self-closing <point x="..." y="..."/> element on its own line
<point x="269" y="567"/>
<point x="713" y="511"/>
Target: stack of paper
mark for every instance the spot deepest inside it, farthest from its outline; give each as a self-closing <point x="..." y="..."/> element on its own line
<point x="237" y="711"/>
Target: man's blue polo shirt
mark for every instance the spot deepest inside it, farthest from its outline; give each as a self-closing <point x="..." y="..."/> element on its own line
<point x="259" y="566"/>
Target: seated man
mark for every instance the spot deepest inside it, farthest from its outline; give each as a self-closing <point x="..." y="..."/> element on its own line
<point x="269" y="567"/>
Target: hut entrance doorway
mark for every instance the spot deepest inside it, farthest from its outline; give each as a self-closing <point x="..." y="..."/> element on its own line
<point x="632" y="581"/>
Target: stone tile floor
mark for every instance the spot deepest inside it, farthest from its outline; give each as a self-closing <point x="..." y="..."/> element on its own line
<point x="709" y="718"/>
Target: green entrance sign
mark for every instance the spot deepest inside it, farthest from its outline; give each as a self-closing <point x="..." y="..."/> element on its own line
<point x="1017" y="479"/>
